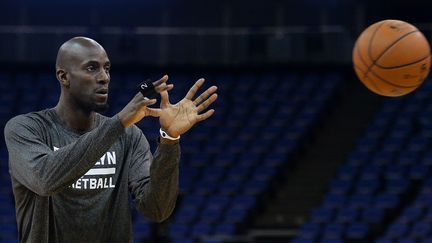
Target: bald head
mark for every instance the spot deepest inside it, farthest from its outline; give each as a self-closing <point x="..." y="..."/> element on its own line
<point x="82" y="68"/>
<point x="74" y="50"/>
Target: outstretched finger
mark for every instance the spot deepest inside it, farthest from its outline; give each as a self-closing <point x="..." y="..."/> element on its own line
<point x="205" y="115"/>
<point x="161" y="81"/>
<point x="169" y="87"/>
<point x="153" y="112"/>
<point x="192" y="91"/>
<point x="147" y="102"/>
<point x="205" y="95"/>
<point x="164" y="99"/>
<point x="164" y="87"/>
<point x="207" y="102"/>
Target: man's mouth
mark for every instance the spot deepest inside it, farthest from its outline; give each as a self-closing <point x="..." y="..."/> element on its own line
<point x="102" y="92"/>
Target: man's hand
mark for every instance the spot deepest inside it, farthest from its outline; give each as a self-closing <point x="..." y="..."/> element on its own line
<point x="179" y="118"/>
<point x="137" y="108"/>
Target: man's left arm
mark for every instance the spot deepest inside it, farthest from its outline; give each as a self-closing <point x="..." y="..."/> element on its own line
<point x="157" y="198"/>
<point x="153" y="179"/>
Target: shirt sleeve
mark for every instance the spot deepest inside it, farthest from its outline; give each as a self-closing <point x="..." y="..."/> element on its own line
<point x="44" y="171"/>
<point x="153" y="180"/>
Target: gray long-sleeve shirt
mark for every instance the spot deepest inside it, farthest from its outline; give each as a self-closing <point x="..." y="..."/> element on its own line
<point x="71" y="187"/>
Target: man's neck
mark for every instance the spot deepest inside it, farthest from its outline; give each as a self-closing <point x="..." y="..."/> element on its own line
<point x="75" y="118"/>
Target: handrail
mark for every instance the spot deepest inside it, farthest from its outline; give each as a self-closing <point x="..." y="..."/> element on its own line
<point x="142" y="30"/>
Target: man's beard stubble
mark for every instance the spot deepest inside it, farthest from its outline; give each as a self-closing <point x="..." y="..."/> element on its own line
<point x="92" y="106"/>
<point x="101" y="108"/>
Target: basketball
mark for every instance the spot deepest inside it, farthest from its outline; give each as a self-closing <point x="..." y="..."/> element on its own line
<point x="391" y="58"/>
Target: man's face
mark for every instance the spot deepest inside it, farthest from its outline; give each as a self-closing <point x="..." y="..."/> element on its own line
<point x="89" y="78"/>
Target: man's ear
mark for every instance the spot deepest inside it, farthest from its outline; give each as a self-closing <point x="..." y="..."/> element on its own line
<point x="62" y="77"/>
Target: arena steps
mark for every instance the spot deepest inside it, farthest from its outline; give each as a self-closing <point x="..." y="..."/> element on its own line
<point x="299" y="193"/>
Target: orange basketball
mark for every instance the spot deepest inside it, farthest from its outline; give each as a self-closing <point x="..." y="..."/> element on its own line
<point x="391" y="58"/>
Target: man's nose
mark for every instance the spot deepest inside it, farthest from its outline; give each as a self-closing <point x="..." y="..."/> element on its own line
<point x="103" y="77"/>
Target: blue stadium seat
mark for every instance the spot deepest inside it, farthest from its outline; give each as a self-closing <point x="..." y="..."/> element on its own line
<point x="411" y="215"/>
<point x="418" y="172"/>
<point x="357" y="231"/>
<point x="406" y="240"/>
<point x="333" y="231"/>
<point x="392" y="144"/>
<point x="275" y="159"/>
<point x="230" y="186"/>
<point x="371" y="172"/>
<point x="255" y="187"/>
<point x="322" y="215"/>
<point x="374" y="132"/>
<point x="373" y="215"/>
<point x="395" y="171"/>
<point x="367" y="186"/>
<point x="264" y="173"/>
<point x="397" y="186"/>
<point x="224" y="159"/>
<point x="347" y="215"/>
<point x="248" y="159"/>
<point x="386" y="201"/>
<point x="427" y="158"/>
<point x="384" y="241"/>
<point x="199" y="159"/>
<point x="201" y="229"/>
<point x="366" y="144"/>
<point x="183" y="241"/>
<point x="238" y="173"/>
<point x="299" y="240"/>
<point x="189" y="172"/>
<point x="427" y="240"/>
<point x="225" y="229"/>
<point x="357" y="158"/>
<point x="243" y="202"/>
<point x="334" y="201"/>
<point x="211" y="215"/>
<point x="194" y="201"/>
<point x="331" y="241"/>
<point x="421" y="230"/>
<point x="360" y="200"/>
<point x="212" y="240"/>
<point x="397" y="230"/>
<point x="218" y="201"/>
<point x="186" y="214"/>
<point x="399" y="134"/>
<point x="427" y="217"/>
<point x="382" y="158"/>
<point x="178" y="230"/>
<point x="415" y="146"/>
<point x="235" y="215"/>
<point x="212" y="174"/>
<point x="8" y="230"/>
<point x="205" y="188"/>
<point x="424" y="200"/>
<point x="10" y="240"/>
<point x="141" y="230"/>
<point x="348" y="173"/>
<point x="339" y="186"/>
<point x="309" y="231"/>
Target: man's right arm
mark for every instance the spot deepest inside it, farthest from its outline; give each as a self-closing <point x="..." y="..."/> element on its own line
<point x="45" y="171"/>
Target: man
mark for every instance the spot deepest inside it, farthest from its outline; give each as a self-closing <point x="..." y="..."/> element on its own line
<point x="72" y="168"/>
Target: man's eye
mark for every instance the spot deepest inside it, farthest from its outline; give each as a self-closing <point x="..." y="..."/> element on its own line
<point x="107" y="69"/>
<point x="91" y="68"/>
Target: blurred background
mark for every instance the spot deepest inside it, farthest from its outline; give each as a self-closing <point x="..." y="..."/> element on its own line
<point x="297" y="151"/>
